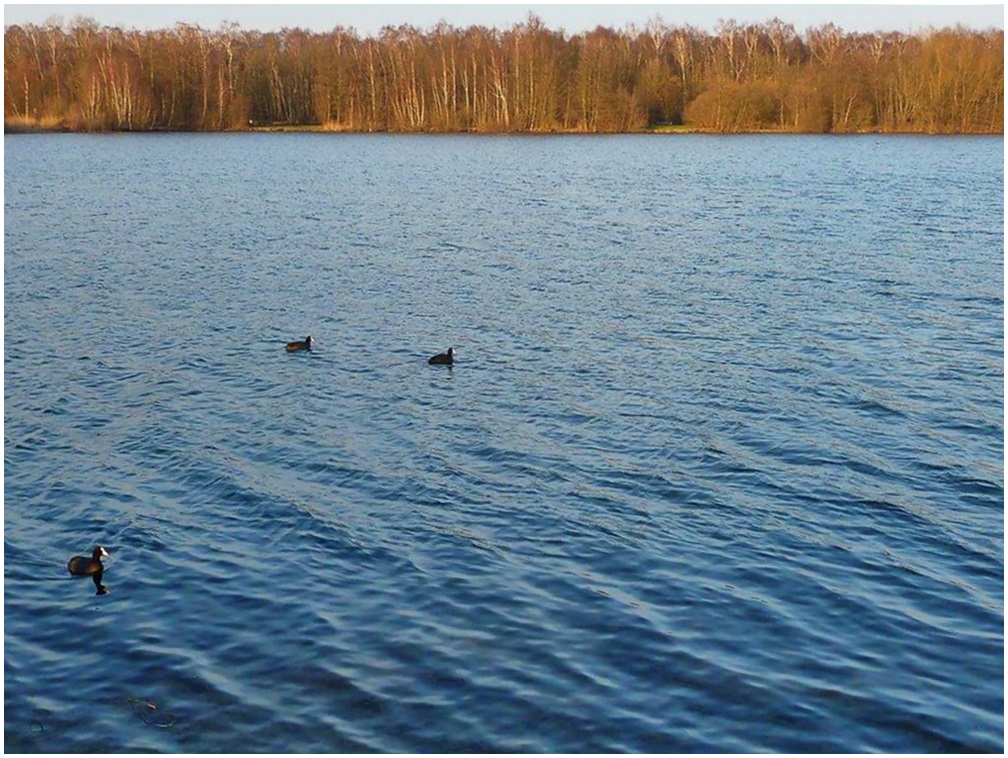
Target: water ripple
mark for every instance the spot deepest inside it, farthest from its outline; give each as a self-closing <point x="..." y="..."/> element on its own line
<point x="719" y="467"/>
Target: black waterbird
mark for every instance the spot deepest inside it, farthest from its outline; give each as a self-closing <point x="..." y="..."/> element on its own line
<point x="293" y="347"/>
<point x="447" y="358"/>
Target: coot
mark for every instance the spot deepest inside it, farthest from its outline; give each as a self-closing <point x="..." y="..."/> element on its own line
<point x="293" y="347"/>
<point x="81" y="566"/>
<point x="447" y="358"/>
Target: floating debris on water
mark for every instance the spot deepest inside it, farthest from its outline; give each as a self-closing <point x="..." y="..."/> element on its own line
<point x="150" y="714"/>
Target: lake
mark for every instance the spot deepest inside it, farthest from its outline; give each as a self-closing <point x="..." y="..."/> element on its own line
<point x="719" y="466"/>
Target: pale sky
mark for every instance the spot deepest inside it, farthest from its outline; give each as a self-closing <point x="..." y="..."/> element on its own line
<point x="571" y="17"/>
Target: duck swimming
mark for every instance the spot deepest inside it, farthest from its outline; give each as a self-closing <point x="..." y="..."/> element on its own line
<point x="80" y="565"/>
<point x="447" y="358"/>
<point x="293" y="347"/>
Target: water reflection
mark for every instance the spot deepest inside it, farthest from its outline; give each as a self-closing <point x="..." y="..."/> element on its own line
<point x="100" y="589"/>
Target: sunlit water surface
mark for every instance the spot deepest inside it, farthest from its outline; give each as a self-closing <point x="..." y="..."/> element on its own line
<point x="719" y="466"/>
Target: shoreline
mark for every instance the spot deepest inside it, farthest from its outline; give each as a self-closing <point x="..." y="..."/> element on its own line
<point x="21" y="127"/>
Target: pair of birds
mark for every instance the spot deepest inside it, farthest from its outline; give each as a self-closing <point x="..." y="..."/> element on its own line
<point x="81" y="565"/>
<point x="447" y="358"/>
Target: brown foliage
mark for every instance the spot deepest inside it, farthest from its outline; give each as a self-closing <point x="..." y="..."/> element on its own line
<point x="524" y="79"/>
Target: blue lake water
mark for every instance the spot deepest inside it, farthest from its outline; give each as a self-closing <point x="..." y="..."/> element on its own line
<point x="719" y="467"/>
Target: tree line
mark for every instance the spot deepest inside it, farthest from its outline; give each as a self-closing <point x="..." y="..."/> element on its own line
<point x="527" y="78"/>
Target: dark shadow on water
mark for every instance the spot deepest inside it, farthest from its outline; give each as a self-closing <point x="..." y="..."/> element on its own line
<point x="100" y="589"/>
